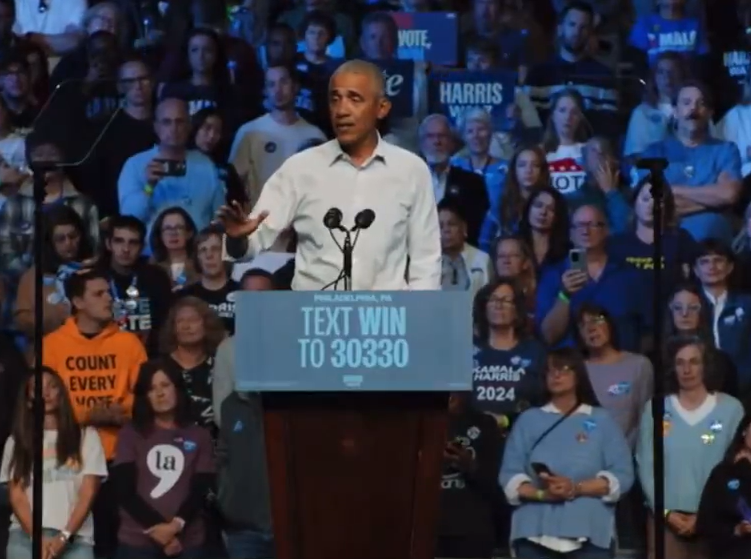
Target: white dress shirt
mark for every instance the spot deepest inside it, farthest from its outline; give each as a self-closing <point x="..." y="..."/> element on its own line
<point x="394" y="183"/>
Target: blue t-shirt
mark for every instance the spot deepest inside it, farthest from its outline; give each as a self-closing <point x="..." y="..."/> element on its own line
<point x="654" y="35"/>
<point x="506" y="382"/>
<point x="699" y="166"/>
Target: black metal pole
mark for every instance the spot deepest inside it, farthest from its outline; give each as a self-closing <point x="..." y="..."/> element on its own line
<point x="38" y="461"/>
<point x="658" y="401"/>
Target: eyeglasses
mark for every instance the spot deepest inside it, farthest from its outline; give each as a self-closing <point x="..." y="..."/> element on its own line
<point x="582" y="225"/>
<point x="500" y="302"/>
<point x="173" y="228"/>
<point x="592" y="321"/>
<point x="685" y="309"/>
<point x="560" y="370"/>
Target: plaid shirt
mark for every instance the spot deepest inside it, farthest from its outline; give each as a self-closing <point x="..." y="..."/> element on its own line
<point x="17" y="227"/>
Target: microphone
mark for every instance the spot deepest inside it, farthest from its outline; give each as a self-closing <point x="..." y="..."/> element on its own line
<point x="364" y="219"/>
<point x="333" y="219"/>
<point x="652" y="163"/>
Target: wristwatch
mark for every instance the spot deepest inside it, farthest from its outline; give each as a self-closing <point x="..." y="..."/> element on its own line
<point x="65" y="535"/>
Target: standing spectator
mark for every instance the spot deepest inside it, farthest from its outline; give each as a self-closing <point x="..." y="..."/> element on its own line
<point x="170" y="174"/>
<point x="279" y="48"/>
<point x="58" y="29"/>
<point x="12" y="149"/>
<point x="449" y="181"/>
<point x="544" y="226"/>
<point x="730" y="311"/>
<point x="141" y="292"/>
<point x="172" y="246"/>
<point x="262" y="145"/>
<point x="723" y="517"/>
<point x="565" y="465"/>
<point x="742" y="250"/>
<point x="73" y="465"/>
<point x="622" y="381"/>
<point x="344" y="42"/>
<point x="99" y="365"/>
<point x="189" y="340"/>
<point x="15" y="79"/>
<point x="574" y="68"/>
<point x="203" y="80"/>
<point x="514" y="259"/>
<point x="636" y="247"/>
<point x="66" y="247"/>
<point x="131" y="131"/>
<point x="163" y="471"/>
<point x="698" y="426"/>
<point x="563" y="288"/>
<point x="669" y="30"/>
<point x="653" y="119"/>
<point x="9" y="40"/>
<point x="209" y="137"/>
<point x="689" y="314"/>
<point x="469" y="489"/>
<point x="17" y="214"/>
<point x="215" y="286"/>
<point x="464" y="267"/>
<point x="527" y="171"/>
<point x="508" y="362"/>
<point x="565" y="134"/>
<point x="602" y="184"/>
<point x="703" y="173"/>
<point x="735" y="126"/>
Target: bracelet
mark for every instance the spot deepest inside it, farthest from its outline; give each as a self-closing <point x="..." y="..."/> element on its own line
<point x="148" y="189"/>
<point x="563" y="297"/>
<point x="540" y="495"/>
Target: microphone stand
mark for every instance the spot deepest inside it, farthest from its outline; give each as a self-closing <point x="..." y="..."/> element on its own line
<point x="347" y="248"/>
<point x="657" y="179"/>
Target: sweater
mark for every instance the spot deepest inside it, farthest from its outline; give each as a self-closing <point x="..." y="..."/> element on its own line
<point x="695" y="442"/>
<point x="97" y="371"/>
<point x="585" y="445"/>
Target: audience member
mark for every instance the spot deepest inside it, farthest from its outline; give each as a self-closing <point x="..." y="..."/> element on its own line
<point x="172" y="244"/>
<point x="464" y="267"/>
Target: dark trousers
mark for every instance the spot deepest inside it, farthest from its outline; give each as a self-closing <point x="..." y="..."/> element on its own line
<point x="465" y="546"/>
<point x="153" y="552"/>
<point x="106" y="520"/>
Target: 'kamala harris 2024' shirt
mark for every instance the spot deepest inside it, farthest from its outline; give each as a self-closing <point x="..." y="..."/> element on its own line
<point x="506" y="382"/>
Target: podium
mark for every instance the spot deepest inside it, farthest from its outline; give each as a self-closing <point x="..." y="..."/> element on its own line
<point x="355" y="389"/>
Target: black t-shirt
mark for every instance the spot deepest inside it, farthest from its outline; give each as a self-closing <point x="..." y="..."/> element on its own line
<point x="725" y="71"/>
<point x="152" y="303"/>
<point x="467" y="500"/>
<point x="198" y="384"/>
<point x="222" y="301"/>
<point x="312" y="100"/>
<point x="197" y="96"/>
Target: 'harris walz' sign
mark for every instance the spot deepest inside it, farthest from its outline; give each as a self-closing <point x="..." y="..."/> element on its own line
<point x="453" y="92"/>
<point x="400" y="84"/>
<point x="428" y="37"/>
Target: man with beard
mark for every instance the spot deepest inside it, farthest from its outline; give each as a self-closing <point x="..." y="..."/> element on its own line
<point x="263" y="144"/>
<point x="573" y="67"/>
<point x="704" y="173"/>
<point x="467" y="189"/>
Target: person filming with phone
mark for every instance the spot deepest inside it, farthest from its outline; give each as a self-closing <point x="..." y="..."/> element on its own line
<point x="590" y="276"/>
<point x="170" y="174"/>
<point x="355" y="174"/>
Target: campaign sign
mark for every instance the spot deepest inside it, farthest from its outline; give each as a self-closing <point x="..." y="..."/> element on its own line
<point x="452" y="92"/>
<point x="303" y="341"/>
<point x="400" y="84"/>
<point x="428" y="37"/>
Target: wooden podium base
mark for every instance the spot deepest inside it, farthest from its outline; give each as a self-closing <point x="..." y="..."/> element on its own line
<point x="355" y="475"/>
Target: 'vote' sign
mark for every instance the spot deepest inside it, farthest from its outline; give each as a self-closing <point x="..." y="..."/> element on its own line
<point x="428" y="37"/>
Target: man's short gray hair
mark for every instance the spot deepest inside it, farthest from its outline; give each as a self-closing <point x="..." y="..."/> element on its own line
<point x="443" y="119"/>
<point x="364" y="68"/>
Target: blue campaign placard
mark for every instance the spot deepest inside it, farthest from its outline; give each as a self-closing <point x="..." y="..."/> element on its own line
<point x="400" y="84"/>
<point x="313" y="341"/>
<point x="453" y="92"/>
<point x="428" y="37"/>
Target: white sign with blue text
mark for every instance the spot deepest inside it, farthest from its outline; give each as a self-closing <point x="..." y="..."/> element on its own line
<point x="341" y="341"/>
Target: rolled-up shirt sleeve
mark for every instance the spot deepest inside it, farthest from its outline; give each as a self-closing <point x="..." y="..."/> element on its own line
<point x="424" y="242"/>
<point x="279" y="199"/>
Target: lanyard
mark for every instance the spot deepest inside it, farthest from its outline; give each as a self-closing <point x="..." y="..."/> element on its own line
<point x="124" y="306"/>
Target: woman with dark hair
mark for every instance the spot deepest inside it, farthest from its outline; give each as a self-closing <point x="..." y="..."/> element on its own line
<point x="172" y="249"/>
<point x="636" y="247"/>
<point x="508" y="360"/>
<point x="563" y="140"/>
<point x="39" y="72"/>
<point x="724" y="516"/>
<point x="189" y="339"/>
<point x="66" y="249"/>
<point x="698" y="426"/>
<point x="163" y="471"/>
<point x="203" y="78"/>
<point x="208" y="137"/>
<point x="651" y="121"/>
<point x="565" y="465"/>
<point x="545" y="227"/>
<point x="513" y="258"/>
<point x="690" y="315"/>
<point x="74" y="467"/>
<point x="527" y="171"/>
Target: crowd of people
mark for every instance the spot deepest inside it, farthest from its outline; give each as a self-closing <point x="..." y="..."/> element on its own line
<point x="145" y="118"/>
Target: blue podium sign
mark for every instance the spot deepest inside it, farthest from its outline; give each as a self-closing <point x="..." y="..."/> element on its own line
<point x="395" y="341"/>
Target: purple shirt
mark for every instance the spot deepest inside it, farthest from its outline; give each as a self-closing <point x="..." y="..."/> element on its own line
<point x="166" y="461"/>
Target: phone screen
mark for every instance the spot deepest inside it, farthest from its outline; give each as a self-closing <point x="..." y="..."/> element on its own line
<point x="577" y="259"/>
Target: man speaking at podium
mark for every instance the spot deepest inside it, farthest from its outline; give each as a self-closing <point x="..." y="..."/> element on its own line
<point x="379" y="192"/>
